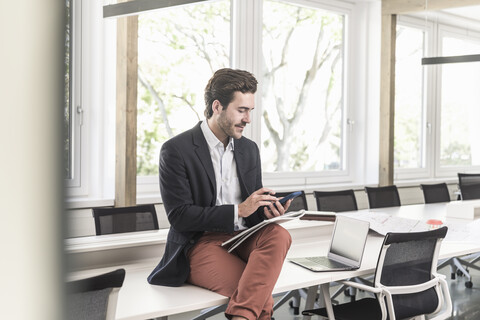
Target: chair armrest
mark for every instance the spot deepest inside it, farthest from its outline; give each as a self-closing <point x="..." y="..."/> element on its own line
<point x="444" y="297"/>
<point x="412" y="288"/>
<point x="361" y="286"/>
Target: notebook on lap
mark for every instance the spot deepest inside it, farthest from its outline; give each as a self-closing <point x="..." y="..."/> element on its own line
<point x="346" y="247"/>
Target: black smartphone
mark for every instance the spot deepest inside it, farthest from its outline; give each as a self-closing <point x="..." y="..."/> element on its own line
<point x="292" y="195"/>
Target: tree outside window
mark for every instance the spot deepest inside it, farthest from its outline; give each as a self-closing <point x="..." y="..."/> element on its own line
<point x="302" y="79"/>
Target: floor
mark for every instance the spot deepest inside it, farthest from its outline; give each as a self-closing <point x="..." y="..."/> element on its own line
<point x="466" y="302"/>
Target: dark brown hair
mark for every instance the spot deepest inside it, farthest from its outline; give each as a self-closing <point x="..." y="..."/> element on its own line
<point x="224" y="83"/>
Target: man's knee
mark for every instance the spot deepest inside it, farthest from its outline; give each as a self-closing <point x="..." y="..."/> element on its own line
<point x="279" y="234"/>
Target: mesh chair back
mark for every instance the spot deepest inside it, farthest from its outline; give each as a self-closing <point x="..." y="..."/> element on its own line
<point x="433" y="193"/>
<point x="94" y="298"/>
<point x="126" y="219"/>
<point x="469" y="184"/>
<point x="410" y="259"/>
<point x="299" y="203"/>
<point x="336" y="201"/>
<point x="382" y="197"/>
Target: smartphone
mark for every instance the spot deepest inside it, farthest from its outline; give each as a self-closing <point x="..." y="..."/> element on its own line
<point x="292" y="195"/>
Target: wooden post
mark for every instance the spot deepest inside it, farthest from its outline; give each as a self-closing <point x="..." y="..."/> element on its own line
<point x="126" y="114"/>
<point x="387" y="99"/>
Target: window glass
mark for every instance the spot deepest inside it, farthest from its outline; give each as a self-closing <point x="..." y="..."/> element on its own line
<point x="303" y="86"/>
<point x="179" y="48"/>
<point x="67" y="110"/>
<point x="460" y="105"/>
<point x="409" y="92"/>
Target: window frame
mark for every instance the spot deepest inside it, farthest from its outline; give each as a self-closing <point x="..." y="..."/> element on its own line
<point x="305" y="179"/>
<point x="361" y="58"/>
<point x="94" y="94"/>
<point x="77" y="160"/>
<point x="459" y="32"/>
<point x="428" y="95"/>
<point x="434" y="28"/>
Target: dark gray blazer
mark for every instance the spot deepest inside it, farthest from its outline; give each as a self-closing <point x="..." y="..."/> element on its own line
<point x="188" y="189"/>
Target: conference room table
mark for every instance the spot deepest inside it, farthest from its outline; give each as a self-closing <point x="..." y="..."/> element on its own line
<point x="139" y="300"/>
<point x="462" y="238"/>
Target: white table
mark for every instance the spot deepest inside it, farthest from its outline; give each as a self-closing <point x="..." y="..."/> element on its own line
<point x="140" y="300"/>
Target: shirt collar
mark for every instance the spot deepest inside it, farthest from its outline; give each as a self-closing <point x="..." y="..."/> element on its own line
<point x="212" y="140"/>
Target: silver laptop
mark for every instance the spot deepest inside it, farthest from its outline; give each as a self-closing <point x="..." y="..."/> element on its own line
<point x="346" y="247"/>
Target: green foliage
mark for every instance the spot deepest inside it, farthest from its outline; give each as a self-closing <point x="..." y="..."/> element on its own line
<point x="179" y="48"/>
<point x="456" y="154"/>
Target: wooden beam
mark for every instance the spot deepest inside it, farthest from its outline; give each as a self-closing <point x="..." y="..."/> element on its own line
<point x="387" y="99"/>
<point x="126" y="113"/>
<point x="409" y="6"/>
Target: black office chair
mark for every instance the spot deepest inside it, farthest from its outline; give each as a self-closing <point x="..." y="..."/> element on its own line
<point x="434" y="193"/>
<point x="110" y="220"/>
<point x="469" y="184"/>
<point x="406" y="282"/>
<point x="383" y="197"/>
<point x="297" y="204"/>
<point x="95" y="297"/>
<point x="336" y="201"/>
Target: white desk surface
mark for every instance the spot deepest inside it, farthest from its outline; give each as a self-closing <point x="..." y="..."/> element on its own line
<point x="140" y="300"/>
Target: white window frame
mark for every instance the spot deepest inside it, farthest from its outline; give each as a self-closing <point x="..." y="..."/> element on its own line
<point x="97" y="93"/>
<point x="247" y="40"/>
<point x="435" y="26"/>
<point x="304" y="179"/>
<point x="457" y="32"/>
<point x="94" y="93"/>
<point x="428" y="96"/>
<point x="76" y="108"/>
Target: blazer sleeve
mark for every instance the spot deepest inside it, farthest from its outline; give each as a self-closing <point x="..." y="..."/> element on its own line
<point x="188" y="194"/>
<point x="256" y="175"/>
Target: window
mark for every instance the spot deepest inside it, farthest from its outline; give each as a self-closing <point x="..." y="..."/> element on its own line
<point x="179" y="48"/>
<point x="409" y="144"/>
<point x="436" y="106"/>
<point x="72" y="107"/>
<point x="303" y="119"/>
<point x="303" y="89"/>
<point x="459" y="102"/>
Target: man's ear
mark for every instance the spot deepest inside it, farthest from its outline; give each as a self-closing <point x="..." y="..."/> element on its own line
<point x="216" y="107"/>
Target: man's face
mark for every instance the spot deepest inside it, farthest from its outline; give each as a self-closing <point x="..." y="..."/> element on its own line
<point x="235" y="117"/>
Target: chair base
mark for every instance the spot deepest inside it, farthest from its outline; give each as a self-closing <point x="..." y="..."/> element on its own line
<point x="352" y="311"/>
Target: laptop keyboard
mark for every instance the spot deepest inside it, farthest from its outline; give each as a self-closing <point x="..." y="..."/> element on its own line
<point x="324" y="261"/>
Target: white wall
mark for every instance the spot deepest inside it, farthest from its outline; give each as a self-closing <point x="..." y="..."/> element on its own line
<point x="31" y="140"/>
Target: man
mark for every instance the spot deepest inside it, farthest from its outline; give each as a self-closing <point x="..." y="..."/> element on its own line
<point x="211" y="186"/>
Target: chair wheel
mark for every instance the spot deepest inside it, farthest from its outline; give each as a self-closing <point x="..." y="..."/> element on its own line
<point x="296" y="310"/>
<point x="452" y="276"/>
<point x="459" y="273"/>
<point x="469" y="284"/>
<point x="348" y="292"/>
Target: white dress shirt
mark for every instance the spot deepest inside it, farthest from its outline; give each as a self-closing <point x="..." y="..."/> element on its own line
<point x="225" y="168"/>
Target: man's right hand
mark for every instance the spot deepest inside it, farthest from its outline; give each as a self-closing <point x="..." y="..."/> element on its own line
<point x="261" y="197"/>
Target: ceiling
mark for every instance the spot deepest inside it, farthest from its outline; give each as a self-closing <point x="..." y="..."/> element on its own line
<point x="472" y="12"/>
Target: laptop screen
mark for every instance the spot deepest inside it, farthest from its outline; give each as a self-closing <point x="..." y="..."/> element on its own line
<point x="348" y="240"/>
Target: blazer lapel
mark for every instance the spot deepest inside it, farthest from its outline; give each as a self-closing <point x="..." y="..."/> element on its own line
<point x="201" y="149"/>
<point x="239" y="154"/>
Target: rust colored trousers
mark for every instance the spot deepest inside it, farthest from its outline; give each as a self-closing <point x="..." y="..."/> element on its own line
<point x="247" y="275"/>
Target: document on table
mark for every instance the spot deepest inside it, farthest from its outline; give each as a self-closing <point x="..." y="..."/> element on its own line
<point x="383" y="223"/>
<point x="463" y="230"/>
